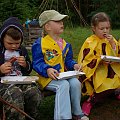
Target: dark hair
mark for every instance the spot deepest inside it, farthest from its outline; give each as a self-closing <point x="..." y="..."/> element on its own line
<point x="14" y="33"/>
<point x="99" y="17"/>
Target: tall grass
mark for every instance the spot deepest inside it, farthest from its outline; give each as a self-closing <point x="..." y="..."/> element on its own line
<point x="76" y="37"/>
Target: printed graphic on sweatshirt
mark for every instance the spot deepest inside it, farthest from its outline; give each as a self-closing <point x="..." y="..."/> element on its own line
<point x="51" y="54"/>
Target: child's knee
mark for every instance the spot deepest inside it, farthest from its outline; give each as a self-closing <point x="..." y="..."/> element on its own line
<point x="75" y="83"/>
<point x="65" y="84"/>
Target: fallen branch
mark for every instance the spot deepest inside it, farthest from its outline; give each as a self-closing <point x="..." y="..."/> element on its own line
<point x="19" y="110"/>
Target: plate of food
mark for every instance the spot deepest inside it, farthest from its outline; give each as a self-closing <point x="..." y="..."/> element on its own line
<point x="19" y="79"/>
<point x="69" y="74"/>
<point x="110" y="58"/>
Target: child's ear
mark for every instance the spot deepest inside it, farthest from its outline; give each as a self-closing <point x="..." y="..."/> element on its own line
<point x="47" y="27"/>
<point x="93" y="28"/>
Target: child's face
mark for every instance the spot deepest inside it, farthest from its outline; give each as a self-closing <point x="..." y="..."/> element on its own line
<point x="56" y="27"/>
<point x="102" y="29"/>
<point x="10" y="43"/>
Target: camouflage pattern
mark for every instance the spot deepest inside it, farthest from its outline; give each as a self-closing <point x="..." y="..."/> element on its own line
<point x="25" y="97"/>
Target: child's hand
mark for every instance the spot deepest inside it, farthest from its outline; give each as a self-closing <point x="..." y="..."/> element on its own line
<point x="109" y="37"/>
<point x="52" y="73"/>
<point x="77" y="67"/>
<point x="21" y="61"/>
<point x="12" y="60"/>
<point x="6" y="67"/>
<point x="111" y="41"/>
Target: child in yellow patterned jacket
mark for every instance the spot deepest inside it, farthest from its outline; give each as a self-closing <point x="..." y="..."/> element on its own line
<point x="101" y="77"/>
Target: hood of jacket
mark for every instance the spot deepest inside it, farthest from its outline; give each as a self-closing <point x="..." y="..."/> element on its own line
<point x="11" y="22"/>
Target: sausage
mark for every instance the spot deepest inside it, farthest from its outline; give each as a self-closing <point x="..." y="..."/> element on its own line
<point x="13" y="59"/>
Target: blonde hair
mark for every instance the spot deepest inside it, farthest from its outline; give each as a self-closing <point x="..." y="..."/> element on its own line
<point x="44" y="33"/>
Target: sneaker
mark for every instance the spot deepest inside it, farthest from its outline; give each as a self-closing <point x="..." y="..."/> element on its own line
<point x="84" y="118"/>
<point x="76" y="117"/>
<point x="86" y="107"/>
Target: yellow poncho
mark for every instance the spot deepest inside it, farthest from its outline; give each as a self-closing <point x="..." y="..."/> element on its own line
<point x="100" y="75"/>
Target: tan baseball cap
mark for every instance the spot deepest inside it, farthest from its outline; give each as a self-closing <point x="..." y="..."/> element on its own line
<point x="49" y="15"/>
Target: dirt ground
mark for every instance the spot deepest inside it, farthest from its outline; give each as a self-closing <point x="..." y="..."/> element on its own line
<point x="109" y="110"/>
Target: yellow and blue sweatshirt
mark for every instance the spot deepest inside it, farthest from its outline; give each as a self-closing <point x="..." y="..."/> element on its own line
<point x="47" y="54"/>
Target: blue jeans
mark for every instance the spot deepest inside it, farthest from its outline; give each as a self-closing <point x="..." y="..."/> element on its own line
<point x="67" y="99"/>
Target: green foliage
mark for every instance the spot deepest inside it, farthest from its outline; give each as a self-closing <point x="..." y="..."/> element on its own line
<point x="31" y="9"/>
<point x="112" y="8"/>
<point x="18" y="8"/>
<point x="12" y="8"/>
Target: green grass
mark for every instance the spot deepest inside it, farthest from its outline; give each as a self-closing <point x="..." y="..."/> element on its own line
<point x="76" y="37"/>
<point x="106" y="111"/>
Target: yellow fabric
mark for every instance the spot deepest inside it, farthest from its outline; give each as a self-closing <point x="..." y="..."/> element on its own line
<point x="98" y="74"/>
<point x="49" y="44"/>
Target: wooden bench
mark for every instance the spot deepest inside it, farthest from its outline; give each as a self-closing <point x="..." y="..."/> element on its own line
<point x="46" y="93"/>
